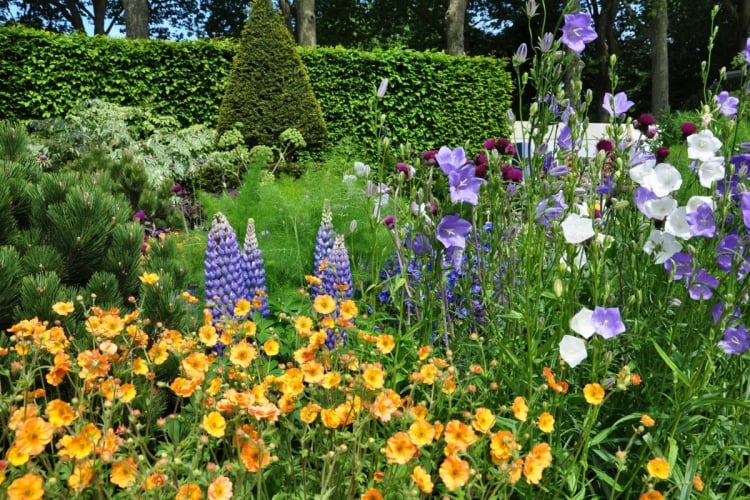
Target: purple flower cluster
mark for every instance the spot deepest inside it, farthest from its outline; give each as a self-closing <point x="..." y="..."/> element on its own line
<point x="254" y="272"/>
<point x="225" y="283"/>
<point x="323" y="246"/>
<point x="337" y="277"/>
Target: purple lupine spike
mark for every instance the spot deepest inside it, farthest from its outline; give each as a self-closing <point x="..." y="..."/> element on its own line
<point x="224" y="281"/>
<point x="337" y="278"/>
<point x="254" y="272"/>
<point x="323" y="246"/>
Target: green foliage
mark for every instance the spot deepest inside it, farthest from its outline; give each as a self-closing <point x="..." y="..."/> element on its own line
<point x="433" y="99"/>
<point x="10" y="270"/>
<point x="268" y="89"/>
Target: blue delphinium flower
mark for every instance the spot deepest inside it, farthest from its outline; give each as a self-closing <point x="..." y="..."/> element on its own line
<point x="223" y="269"/>
<point x="337" y="277"/>
<point x="323" y="246"/>
<point x="253" y="271"/>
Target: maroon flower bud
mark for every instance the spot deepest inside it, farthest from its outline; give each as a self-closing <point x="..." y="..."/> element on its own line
<point x="389" y="221"/>
<point x="688" y="129"/>
<point x="481" y="170"/>
<point x="661" y="154"/>
<point x="489" y="144"/>
<point x="605" y="145"/>
<point x="511" y="174"/>
<point x="429" y="157"/>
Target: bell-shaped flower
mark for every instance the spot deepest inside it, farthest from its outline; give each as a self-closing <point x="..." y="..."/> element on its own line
<point x="702" y="285"/>
<point x="677" y="225"/>
<point x="702" y="221"/>
<point x="659" y="208"/>
<point x="711" y="170"/>
<point x="577" y="229"/>
<point x="662" y="245"/>
<point x="572" y="350"/>
<point x="696" y="201"/>
<point x="450" y="159"/>
<point x="703" y="145"/>
<point x="581" y="323"/>
<point x="464" y="185"/>
<point x="640" y="172"/>
<point x="736" y="340"/>
<point x="607" y="321"/>
<point x="663" y="180"/>
<point x="617" y="104"/>
<point x="452" y="231"/>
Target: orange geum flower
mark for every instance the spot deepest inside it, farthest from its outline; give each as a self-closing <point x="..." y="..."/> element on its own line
<point x="422" y="479"/>
<point x="33" y="435"/>
<point x="428" y="373"/>
<point x="313" y="280"/>
<point x="373" y="376"/>
<point x="346" y="412"/>
<point x="16" y="456"/>
<point x="111" y="326"/>
<point x="271" y="347"/>
<point x="196" y="365"/>
<point x="324" y="304"/>
<point x="309" y="413"/>
<point x="459" y="435"/>
<point x="83" y="473"/>
<point x="454" y="472"/>
<point x="303" y="325"/>
<point x="423" y="352"/>
<point x="483" y="420"/>
<point x="140" y="366"/>
<point x="214" y="424"/>
<point x="647" y="421"/>
<point x="155" y="480"/>
<point x="242" y="354"/>
<point x="77" y="446"/>
<point x="123" y="473"/>
<point x="126" y="393"/>
<point x="63" y="308"/>
<point x="561" y="387"/>
<point x="594" y="394"/>
<point x="242" y="308"/>
<point x="27" y="487"/>
<point x="220" y="489"/>
<point x="60" y="413"/>
<point x="184" y="387"/>
<point x="371" y="494"/>
<point x="330" y="418"/>
<point x="348" y="309"/>
<point x="448" y="387"/>
<point x="107" y="446"/>
<point x="158" y="353"/>
<point x="190" y="491"/>
<point x="20" y="415"/>
<point x="697" y="483"/>
<point x="331" y="380"/>
<point x="538" y="459"/>
<point x="93" y="364"/>
<point x="385" y="405"/>
<point x="520" y="409"/>
<point x="658" y="468"/>
<point x="287" y="404"/>
<point x="208" y="335"/>
<point x="149" y="278"/>
<point x="399" y="448"/>
<point x="254" y="456"/>
<point x="651" y="495"/>
<point x="386" y="343"/>
<point x="502" y="446"/>
<point x="304" y="355"/>
<point x="546" y="422"/>
<point x="313" y="371"/>
<point x="421" y="433"/>
<point x="266" y="411"/>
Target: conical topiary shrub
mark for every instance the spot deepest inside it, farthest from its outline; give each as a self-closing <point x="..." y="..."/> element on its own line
<point x="269" y="90"/>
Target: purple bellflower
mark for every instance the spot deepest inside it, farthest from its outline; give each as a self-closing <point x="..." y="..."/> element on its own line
<point x="577" y="31"/>
<point x="607" y="321"/>
<point x="701" y="221"/>
<point x="450" y="159"/>
<point x="679" y="266"/>
<point x="464" y="185"/>
<point x="616" y="105"/>
<point x="702" y="285"/>
<point x="727" y="103"/>
<point x="735" y="340"/>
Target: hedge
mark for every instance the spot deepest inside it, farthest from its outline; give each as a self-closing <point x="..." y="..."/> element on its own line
<point x="432" y="98"/>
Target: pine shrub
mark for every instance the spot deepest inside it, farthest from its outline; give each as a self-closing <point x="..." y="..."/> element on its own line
<point x="269" y="90"/>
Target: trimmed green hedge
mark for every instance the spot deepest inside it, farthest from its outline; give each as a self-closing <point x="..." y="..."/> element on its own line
<point x="432" y="99"/>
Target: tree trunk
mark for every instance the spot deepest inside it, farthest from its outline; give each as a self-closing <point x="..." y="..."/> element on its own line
<point x="287" y="10"/>
<point x="306" y="23"/>
<point x="136" y="18"/>
<point x="100" y="13"/>
<point x="71" y="13"/>
<point x="605" y="45"/>
<point x="455" y="18"/>
<point x="739" y="13"/>
<point x="660" y="59"/>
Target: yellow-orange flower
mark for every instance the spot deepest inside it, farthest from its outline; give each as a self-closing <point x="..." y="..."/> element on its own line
<point x="93" y="364"/>
<point x="502" y="446"/>
<point x="208" y="335"/>
<point x="271" y="347"/>
<point x="149" y="278"/>
<point x="459" y="435"/>
<point x="324" y="304"/>
<point x="546" y="422"/>
<point x="647" y="421"/>
<point x="651" y="495"/>
<point x="373" y="377"/>
<point x="33" y="435"/>
<point x="309" y="413"/>
<point x="196" y="365"/>
<point x="303" y="325"/>
<point x="658" y="468"/>
<point x="483" y="421"/>
<point x="399" y="449"/>
<point x="63" y="308"/>
<point x="561" y="387"/>
<point x="27" y="487"/>
<point x="594" y="394"/>
<point x="386" y="343"/>
<point x="313" y="371"/>
<point x="214" y="424"/>
<point x="697" y="483"/>
<point x="330" y="418"/>
<point x="123" y="472"/>
<point x="60" y="369"/>
<point x="242" y="308"/>
<point x="428" y="373"/>
<point x="348" y="309"/>
<point x="76" y="446"/>
<point x="242" y="354"/>
<point x="16" y="456"/>
<point x="158" y="353"/>
<point x="220" y="489"/>
<point x="126" y="393"/>
<point x="520" y="409"/>
<point x="60" y="413"/>
<point x="331" y="380"/>
<point x="183" y="387"/>
<point x="422" y="479"/>
<point x="385" y="405"/>
<point x="421" y="432"/>
<point x="140" y="366"/>
<point x="372" y="494"/>
<point x="254" y="456"/>
<point x="454" y="472"/>
<point x="83" y="473"/>
<point x="538" y="459"/>
<point x="189" y="491"/>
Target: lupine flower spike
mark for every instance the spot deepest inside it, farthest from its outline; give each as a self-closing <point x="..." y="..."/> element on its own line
<point x="253" y="271"/>
<point x="323" y="246"/>
<point x="337" y="278"/>
<point x="224" y="281"/>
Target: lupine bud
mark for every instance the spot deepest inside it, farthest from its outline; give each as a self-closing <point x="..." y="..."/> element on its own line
<point x="253" y="270"/>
